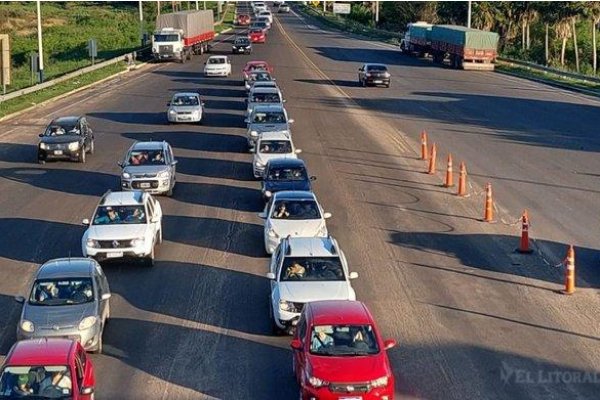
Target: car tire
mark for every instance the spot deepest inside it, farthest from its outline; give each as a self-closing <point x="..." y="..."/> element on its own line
<point x="99" y="346"/>
<point x="275" y="330"/>
<point x="170" y="191"/>
<point x="364" y="83"/>
<point x="388" y="85"/>
<point x="160" y="237"/>
<point x="40" y="161"/>
<point x="82" y="156"/>
<point x="91" y="151"/>
<point x="150" y="258"/>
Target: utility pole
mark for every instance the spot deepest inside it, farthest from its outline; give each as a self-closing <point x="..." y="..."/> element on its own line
<point x="469" y="16"/>
<point x="324" y="6"/>
<point x="141" y="24"/>
<point x="197" y="5"/>
<point x="376" y="13"/>
<point x="158" y="7"/>
<point x="40" y="49"/>
<point x="205" y="5"/>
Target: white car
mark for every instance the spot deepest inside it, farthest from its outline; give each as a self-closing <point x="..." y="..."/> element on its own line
<point x="263" y="95"/>
<point x="259" y="6"/>
<point x="125" y="225"/>
<point x="266" y="13"/>
<point x="217" y="66"/>
<point x="185" y="107"/>
<point x="264" y="84"/>
<point x="292" y="214"/>
<point x="304" y="270"/>
<point x="272" y="145"/>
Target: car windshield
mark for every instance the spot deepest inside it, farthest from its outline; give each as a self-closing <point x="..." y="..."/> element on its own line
<point x="343" y="340"/>
<point x="118" y="215"/>
<point x="61" y="292"/>
<point x="253" y="67"/>
<point x="48" y="382"/>
<point x="61" y="129"/>
<point x="287" y="174"/>
<point x="269" y="117"/>
<point x="218" y="60"/>
<point x="241" y="41"/>
<point x="185" y="101"/>
<point x="275" y="147"/>
<point x="312" y="269"/>
<point x="377" y="68"/>
<point x="146" y="157"/>
<point x="256" y="31"/>
<point x="296" y="210"/>
<point x="260" y="23"/>
<point x="265" y="98"/>
<point x="166" y="38"/>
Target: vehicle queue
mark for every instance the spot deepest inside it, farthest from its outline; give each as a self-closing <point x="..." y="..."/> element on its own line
<point x="338" y="351"/>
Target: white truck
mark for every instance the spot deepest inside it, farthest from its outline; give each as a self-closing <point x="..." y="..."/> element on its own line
<point x="180" y="35"/>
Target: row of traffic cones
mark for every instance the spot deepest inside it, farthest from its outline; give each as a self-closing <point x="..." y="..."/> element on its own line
<point x="489" y="208"/>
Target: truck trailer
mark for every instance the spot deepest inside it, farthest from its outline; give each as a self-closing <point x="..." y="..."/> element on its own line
<point x="180" y="35"/>
<point x="466" y="48"/>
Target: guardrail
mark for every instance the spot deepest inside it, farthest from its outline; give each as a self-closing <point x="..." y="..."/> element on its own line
<point x="555" y="71"/>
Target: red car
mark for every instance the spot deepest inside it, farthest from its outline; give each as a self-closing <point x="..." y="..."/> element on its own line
<point x="47" y="368"/>
<point x="339" y="354"/>
<point x="257" y="36"/>
<point x="243" y="19"/>
<point x="255" y="65"/>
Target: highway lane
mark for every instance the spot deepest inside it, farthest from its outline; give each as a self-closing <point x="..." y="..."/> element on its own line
<point x="196" y="325"/>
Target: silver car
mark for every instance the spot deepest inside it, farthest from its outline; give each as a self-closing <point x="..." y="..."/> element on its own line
<point x="266" y="118"/>
<point x="69" y="299"/>
<point x="185" y="107"/>
<point x="263" y="96"/>
<point x="149" y="166"/>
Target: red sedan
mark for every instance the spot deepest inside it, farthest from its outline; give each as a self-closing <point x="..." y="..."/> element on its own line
<point x="338" y="353"/>
<point x="257" y="36"/>
<point x="243" y="19"/>
<point x="48" y="368"/>
<point x="256" y="65"/>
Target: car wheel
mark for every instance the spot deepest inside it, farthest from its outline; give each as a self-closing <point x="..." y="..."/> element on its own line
<point x="170" y="191"/>
<point x="82" y="156"/>
<point x="150" y="258"/>
<point x="388" y="85"/>
<point x="274" y="328"/>
<point x="160" y="238"/>
<point x="364" y="83"/>
<point x="107" y="317"/>
<point x="99" y="346"/>
<point x="92" y="147"/>
<point x="40" y="161"/>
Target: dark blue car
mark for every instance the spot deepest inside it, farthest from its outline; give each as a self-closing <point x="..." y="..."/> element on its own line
<point x="285" y="174"/>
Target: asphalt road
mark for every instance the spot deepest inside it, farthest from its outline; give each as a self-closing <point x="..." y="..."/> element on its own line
<point x="473" y="319"/>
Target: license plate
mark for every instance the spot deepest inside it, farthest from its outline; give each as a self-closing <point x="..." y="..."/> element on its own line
<point x="186" y="118"/>
<point x="351" y="398"/>
<point x="144" y="185"/>
<point x="378" y="81"/>
<point x="117" y="254"/>
<point x="58" y="152"/>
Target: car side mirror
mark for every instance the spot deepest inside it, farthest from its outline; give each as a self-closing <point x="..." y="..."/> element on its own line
<point x="296" y="344"/>
<point x="298" y="151"/>
<point x="41" y="135"/>
<point x="327" y="215"/>
<point x="353" y="275"/>
<point x="106" y="296"/>
<point x="262" y="215"/>
<point x="155" y="219"/>
<point x="20" y="299"/>
<point x="87" y="390"/>
<point x="85" y="221"/>
<point x="120" y="164"/>
<point x="174" y="162"/>
<point x="284" y="101"/>
<point x="313" y="178"/>
<point x="270" y="275"/>
<point x="204" y="63"/>
<point x="169" y="104"/>
<point x="291" y="121"/>
<point x="202" y="103"/>
<point x="389" y="343"/>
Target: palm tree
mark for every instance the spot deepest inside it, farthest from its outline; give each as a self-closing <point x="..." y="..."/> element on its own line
<point x="546" y="11"/>
<point x="485" y="15"/>
<point x="592" y="10"/>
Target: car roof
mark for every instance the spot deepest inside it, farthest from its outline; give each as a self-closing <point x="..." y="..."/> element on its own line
<point x="268" y="107"/>
<point x="294" y="195"/>
<point x="186" y="94"/>
<point x="66" y="120"/>
<point x="217" y="57"/>
<point x="258" y="84"/>
<point x="125" y="198"/>
<point x="266" y="89"/>
<point x="312" y="246"/>
<point x="45" y="351"/>
<point x="254" y="62"/>
<point x="275" y="135"/>
<point x="286" y="162"/>
<point x="375" y="65"/>
<point x="149" y="145"/>
<point x="330" y="312"/>
<point x="76" y="267"/>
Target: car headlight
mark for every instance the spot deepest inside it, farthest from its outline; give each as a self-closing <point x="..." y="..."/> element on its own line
<point x="380" y="382"/>
<point x="43" y="146"/>
<point x="253" y="133"/>
<point x="268" y="193"/>
<point x="387" y="74"/>
<point x="285" y="305"/>
<point x="87" y="323"/>
<point x="271" y="232"/>
<point x="163" y="174"/>
<point x="138" y="242"/>
<point x="172" y="112"/>
<point x="73" y="146"/>
<point x="126" y="175"/>
<point x="27" y="326"/>
<point x="259" y="164"/>
<point x="316" y="382"/>
<point x="92" y="243"/>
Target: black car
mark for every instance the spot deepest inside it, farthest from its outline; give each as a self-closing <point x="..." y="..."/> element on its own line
<point x="241" y="45"/>
<point x="374" y="74"/>
<point x="66" y="138"/>
<point x="285" y="174"/>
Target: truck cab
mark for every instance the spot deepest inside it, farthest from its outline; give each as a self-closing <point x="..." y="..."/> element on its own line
<point x="167" y="43"/>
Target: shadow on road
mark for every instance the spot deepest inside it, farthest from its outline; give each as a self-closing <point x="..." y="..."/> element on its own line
<point x="196" y="140"/>
<point x="214" y="168"/>
<point x="137" y="118"/>
<point x="18" y="153"/>
<point x="332" y="82"/>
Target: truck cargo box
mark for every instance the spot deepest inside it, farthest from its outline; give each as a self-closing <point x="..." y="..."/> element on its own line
<point x="465" y="37"/>
<point x="422" y="32"/>
<point x="197" y="25"/>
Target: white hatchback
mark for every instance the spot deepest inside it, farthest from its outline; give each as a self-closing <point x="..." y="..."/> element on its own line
<point x="217" y="66"/>
<point x="292" y="214"/>
<point x="272" y="145"/>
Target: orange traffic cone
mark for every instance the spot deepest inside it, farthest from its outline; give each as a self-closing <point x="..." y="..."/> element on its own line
<point x="449" y="179"/>
<point x="524" y="246"/>
<point x="462" y="180"/>
<point x="431" y="169"/>
<point x="424" y="155"/>
<point x="570" y="272"/>
<point x="489" y="204"/>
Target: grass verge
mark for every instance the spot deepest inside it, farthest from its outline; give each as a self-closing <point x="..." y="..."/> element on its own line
<point x="28" y="100"/>
<point x="227" y="20"/>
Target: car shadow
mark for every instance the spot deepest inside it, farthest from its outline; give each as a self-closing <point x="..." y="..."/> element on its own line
<point x="214" y="168"/>
<point x="331" y="82"/>
<point x="218" y="92"/>
<point x="224" y="120"/>
<point x="227" y="236"/>
<point x="18" y="153"/>
<point x="225" y="105"/>
<point x="196" y="140"/>
<point x="10" y="313"/>
<point x="137" y="118"/>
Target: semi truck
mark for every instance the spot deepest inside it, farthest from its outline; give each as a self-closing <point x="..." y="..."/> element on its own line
<point x="180" y="35"/>
<point x="417" y="38"/>
<point x="463" y="48"/>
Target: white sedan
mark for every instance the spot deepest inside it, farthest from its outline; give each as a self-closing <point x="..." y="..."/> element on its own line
<point x="272" y="145"/>
<point x="185" y="107"/>
<point x="292" y="214"/>
<point x="217" y="66"/>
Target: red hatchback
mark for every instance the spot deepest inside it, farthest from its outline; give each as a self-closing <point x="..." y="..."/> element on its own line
<point x="243" y="19"/>
<point x="257" y="36"/>
<point x="256" y="65"/>
<point x="47" y="368"/>
<point x="339" y="354"/>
